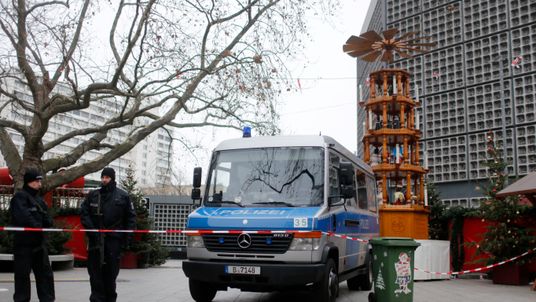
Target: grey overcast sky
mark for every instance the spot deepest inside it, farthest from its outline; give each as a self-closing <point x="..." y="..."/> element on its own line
<point x="326" y="102"/>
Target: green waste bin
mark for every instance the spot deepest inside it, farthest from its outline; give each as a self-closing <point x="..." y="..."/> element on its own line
<point x="392" y="267"/>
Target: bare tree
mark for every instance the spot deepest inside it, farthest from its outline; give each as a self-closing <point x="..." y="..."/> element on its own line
<point x="150" y="63"/>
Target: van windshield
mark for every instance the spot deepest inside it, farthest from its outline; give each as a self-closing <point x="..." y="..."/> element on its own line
<point x="267" y="177"/>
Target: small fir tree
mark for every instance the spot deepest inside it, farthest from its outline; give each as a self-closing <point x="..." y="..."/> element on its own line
<point x="438" y="222"/>
<point x="6" y="238"/>
<point x="506" y="237"/>
<point x="148" y="246"/>
<point x="56" y="240"/>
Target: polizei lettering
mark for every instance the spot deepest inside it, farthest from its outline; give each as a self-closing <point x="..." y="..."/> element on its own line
<point x="250" y="212"/>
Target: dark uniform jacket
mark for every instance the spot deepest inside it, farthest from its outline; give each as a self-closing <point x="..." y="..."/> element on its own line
<point x="29" y="210"/>
<point x="116" y="209"/>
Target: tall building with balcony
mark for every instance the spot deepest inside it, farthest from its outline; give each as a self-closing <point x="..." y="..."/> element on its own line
<point x="480" y="77"/>
<point x="150" y="159"/>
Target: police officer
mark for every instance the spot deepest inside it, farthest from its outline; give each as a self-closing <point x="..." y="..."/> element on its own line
<point x="30" y="251"/>
<point x="106" y="208"/>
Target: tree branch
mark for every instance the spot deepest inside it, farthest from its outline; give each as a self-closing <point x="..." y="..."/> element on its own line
<point x="80" y="132"/>
<point x="14" y="125"/>
<point x="73" y="45"/>
<point x="37" y="56"/>
<point x="115" y="152"/>
<point x="72" y="157"/>
<point x="31" y="9"/>
<point x="12" y="96"/>
<point x="131" y="43"/>
<point x="9" y="151"/>
<point x="19" y="101"/>
<point x="8" y="33"/>
<point x="20" y="48"/>
<point x="192" y="125"/>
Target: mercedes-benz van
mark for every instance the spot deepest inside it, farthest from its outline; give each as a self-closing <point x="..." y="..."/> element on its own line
<point x="272" y="215"/>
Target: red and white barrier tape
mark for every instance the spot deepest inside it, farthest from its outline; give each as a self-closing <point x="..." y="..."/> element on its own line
<point x="480" y="269"/>
<point x="24" y="229"/>
<point x="345" y="237"/>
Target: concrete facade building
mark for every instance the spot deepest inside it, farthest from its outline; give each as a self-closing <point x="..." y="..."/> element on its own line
<point x="481" y="76"/>
<point x="151" y="158"/>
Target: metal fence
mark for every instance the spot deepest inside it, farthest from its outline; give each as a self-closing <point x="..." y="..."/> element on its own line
<point x="6" y="192"/>
<point x="68" y="198"/>
<point x="170" y="212"/>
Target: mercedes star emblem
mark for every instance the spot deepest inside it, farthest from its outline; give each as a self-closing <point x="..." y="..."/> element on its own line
<point x="244" y="240"/>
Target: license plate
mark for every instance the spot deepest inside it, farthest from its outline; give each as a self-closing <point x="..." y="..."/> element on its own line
<point x="243" y="270"/>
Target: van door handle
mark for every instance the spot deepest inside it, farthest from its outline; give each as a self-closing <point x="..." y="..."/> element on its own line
<point x="351" y="223"/>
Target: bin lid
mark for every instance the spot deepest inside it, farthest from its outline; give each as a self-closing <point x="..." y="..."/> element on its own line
<point x="394" y="241"/>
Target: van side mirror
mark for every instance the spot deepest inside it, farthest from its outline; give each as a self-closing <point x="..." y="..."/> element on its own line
<point x="196" y="194"/>
<point x="196" y="191"/>
<point x="198" y="171"/>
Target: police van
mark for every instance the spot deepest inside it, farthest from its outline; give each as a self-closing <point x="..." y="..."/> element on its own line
<point x="272" y="214"/>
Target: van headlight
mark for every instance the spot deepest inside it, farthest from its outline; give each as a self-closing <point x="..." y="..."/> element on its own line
<point x="305" y="241"/>
<point x="195" y="241"/>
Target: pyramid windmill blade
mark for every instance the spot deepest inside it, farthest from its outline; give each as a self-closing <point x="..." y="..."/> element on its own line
<point x="370" y="46"/>
<point x="359" y="53"/>
<point x="390" y="33"/>
<point x="356" y="44"/>
<point x="355" y="40"/>
<point x="372" y="36"/>
<point x="371" y="57"/>
<point x="406" y="35"/>
<point x="403" y="53"/>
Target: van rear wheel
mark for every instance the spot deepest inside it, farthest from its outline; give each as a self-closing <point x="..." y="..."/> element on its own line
<point x="201" y="291"/>
<point x="363" y="281"/>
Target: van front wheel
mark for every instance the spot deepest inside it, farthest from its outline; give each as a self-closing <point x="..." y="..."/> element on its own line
<point x="201" y="291"/>
<point x="327" y="289"/>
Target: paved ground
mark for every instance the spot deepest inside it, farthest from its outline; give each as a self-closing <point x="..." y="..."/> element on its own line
<point x="168" y="284"/>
